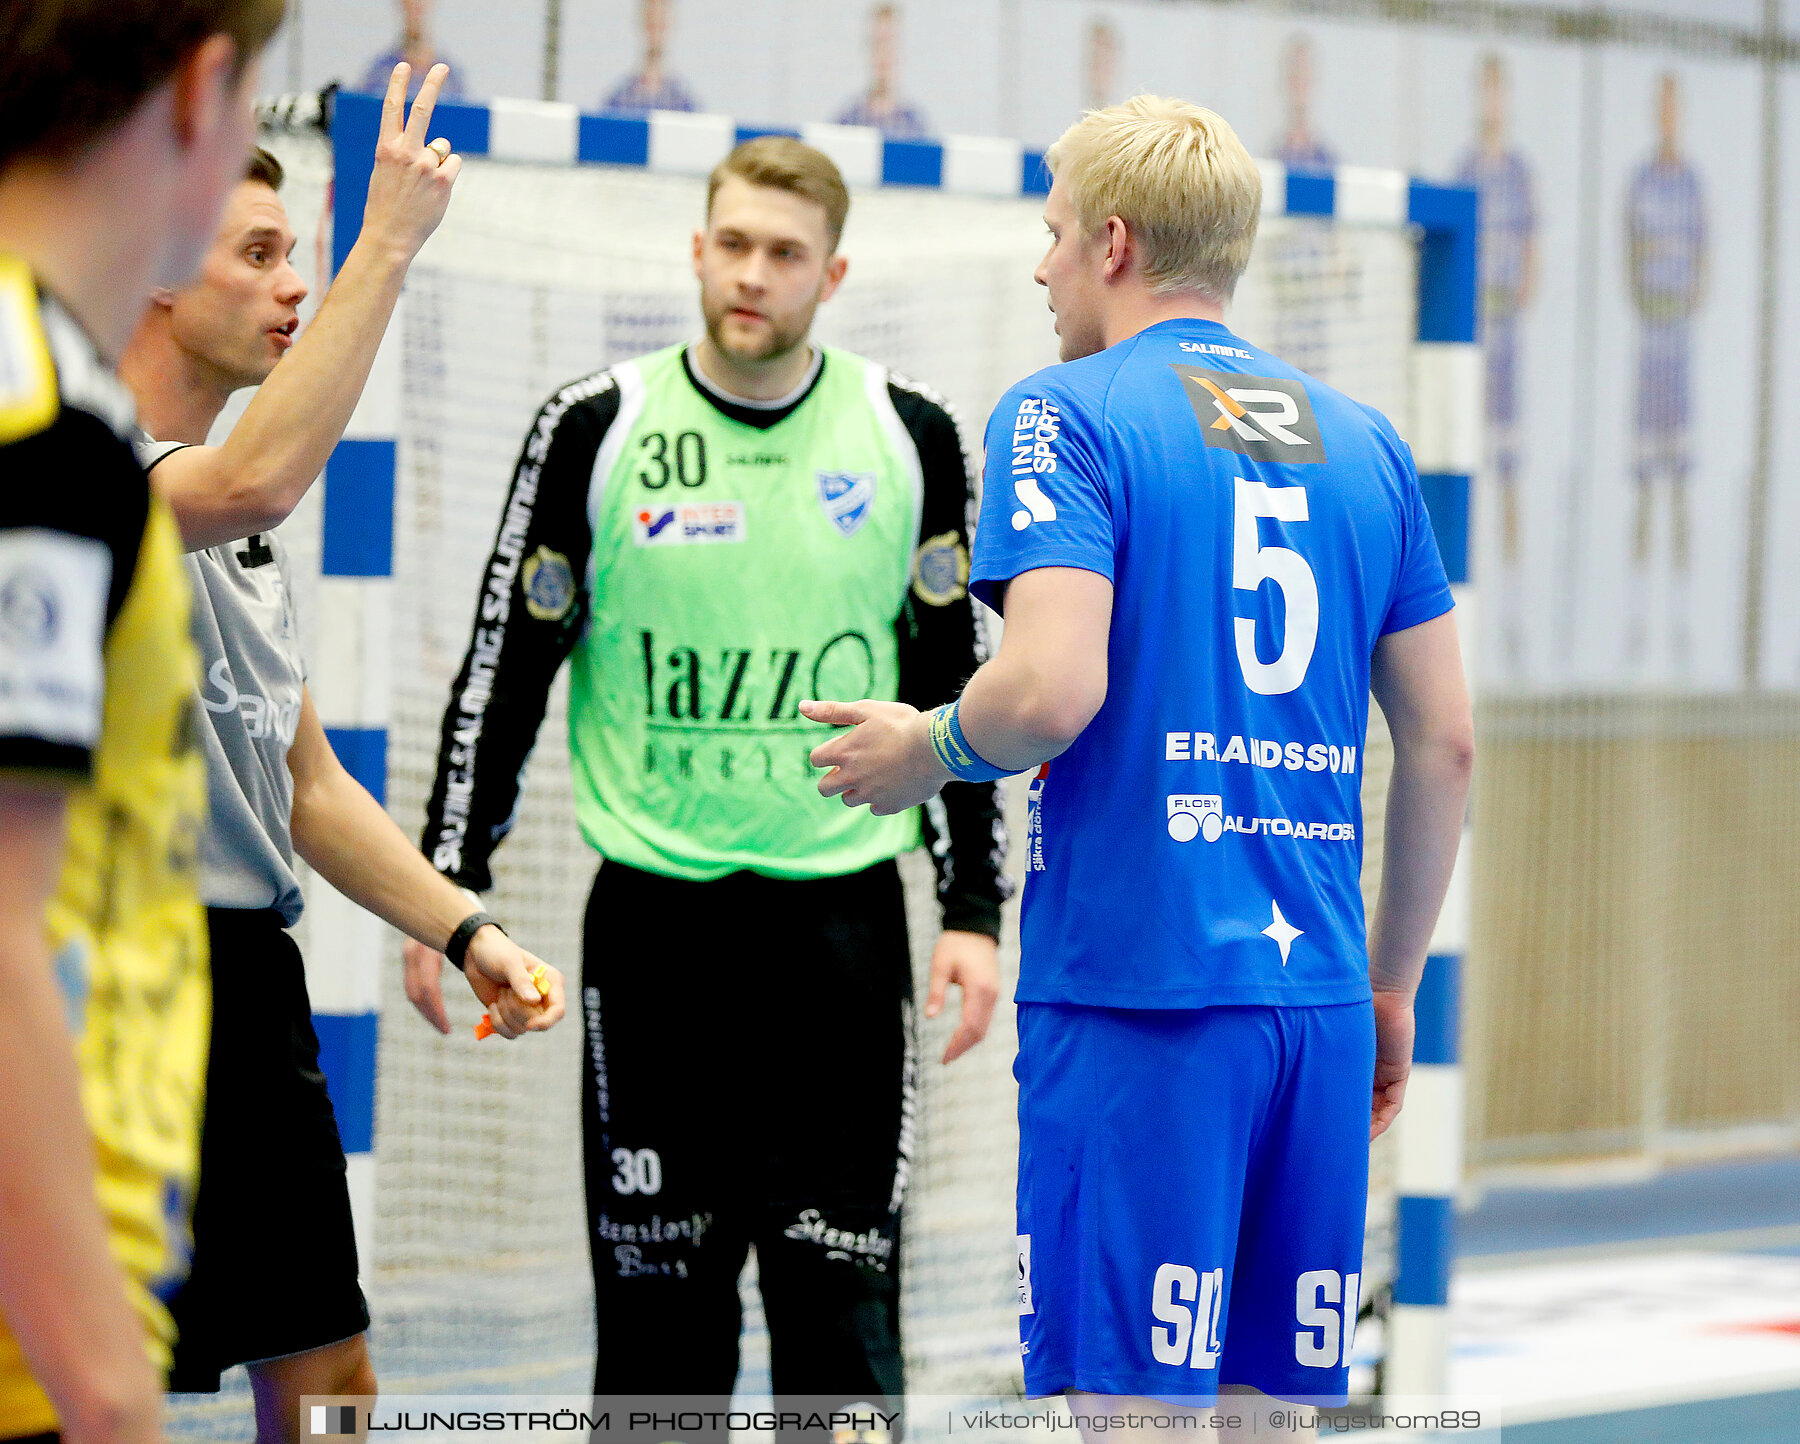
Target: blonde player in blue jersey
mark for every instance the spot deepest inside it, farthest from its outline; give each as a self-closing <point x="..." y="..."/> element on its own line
<point x="1205" y="560"/>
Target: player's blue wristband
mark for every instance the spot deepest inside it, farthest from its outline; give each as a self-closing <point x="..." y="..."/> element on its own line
<point x="953" y="748"/>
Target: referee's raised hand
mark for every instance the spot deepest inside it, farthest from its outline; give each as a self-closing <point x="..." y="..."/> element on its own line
<point x="409" y="189"/>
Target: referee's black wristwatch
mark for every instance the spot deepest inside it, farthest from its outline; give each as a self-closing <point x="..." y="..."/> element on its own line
<point x="457" y="949"/>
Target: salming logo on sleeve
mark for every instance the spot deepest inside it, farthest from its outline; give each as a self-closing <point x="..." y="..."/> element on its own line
<point x="548" y="576"/>
<point x="1035" y="430"/>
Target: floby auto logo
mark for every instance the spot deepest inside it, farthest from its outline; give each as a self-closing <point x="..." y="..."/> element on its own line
<point x="693" y="521"/>
<point x="1262" y="416"/>
<point x="1191" y="817"/>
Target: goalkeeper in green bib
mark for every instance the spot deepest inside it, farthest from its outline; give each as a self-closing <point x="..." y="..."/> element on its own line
<point x="714" y="532"/>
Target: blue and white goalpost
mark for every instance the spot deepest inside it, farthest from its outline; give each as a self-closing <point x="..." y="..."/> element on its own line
<point x="1447" y="442"/>
<point x="565" y="250"/>
<point x="1444" y="428"/>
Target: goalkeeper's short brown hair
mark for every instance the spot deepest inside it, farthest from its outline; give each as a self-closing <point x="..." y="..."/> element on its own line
<point x="72" y="70"/>
<point x="787" y="164"/>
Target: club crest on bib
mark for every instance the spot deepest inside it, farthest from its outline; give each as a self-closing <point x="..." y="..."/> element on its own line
<point x="847" y="497"/>
<point x="549" y="585"/>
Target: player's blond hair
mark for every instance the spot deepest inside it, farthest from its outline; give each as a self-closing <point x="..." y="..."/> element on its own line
<point x="1180" y="179"/>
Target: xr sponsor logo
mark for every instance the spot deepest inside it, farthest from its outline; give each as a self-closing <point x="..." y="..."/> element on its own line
<point x="1261" y="416"/>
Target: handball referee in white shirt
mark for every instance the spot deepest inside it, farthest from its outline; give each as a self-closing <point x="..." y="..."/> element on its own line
<point x="271" y="1162"/>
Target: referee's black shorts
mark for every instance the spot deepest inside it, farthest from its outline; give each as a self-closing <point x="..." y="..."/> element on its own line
<point x="274" y="1268"/>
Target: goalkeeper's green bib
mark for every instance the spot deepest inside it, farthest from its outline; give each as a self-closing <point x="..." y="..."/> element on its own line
<point x="734" y="572"/>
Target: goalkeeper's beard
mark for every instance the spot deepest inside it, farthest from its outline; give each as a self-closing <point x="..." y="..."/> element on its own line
<point x="775" y="341"/>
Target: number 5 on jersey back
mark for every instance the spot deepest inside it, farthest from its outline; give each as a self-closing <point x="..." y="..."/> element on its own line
<point x="1252" y="564"/>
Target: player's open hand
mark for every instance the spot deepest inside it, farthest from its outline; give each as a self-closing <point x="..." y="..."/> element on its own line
<point x="884" y="762"/>
<point x="409" y="189"/>
<point x="971" y="961"/>
<point x="1393" y="1059"/>
<point x="500" y="972"/>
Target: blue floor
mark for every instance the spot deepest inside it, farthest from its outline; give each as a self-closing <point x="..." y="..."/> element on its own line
<point x="1718" y="1198"/>
<point x="1749" y="1419"/>
<point x="1761" y="1197"/>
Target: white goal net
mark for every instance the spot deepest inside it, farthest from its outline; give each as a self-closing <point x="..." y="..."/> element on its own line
<point x="479" y="1274"/>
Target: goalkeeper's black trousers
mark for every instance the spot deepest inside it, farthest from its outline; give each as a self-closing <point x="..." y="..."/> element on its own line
<point x="748" y="1077"/>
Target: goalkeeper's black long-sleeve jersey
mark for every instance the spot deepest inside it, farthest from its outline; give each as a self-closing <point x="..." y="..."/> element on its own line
<point x="707" y="564"/>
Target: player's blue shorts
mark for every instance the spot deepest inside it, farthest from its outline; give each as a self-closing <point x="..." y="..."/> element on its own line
<point x="1192" y="1185"/>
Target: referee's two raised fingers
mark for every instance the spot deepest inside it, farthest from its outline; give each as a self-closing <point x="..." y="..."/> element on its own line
<point x="418" y="123"/>
<point x="393" y="104"/>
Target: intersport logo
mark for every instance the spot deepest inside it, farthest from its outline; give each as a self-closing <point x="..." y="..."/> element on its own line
<point x="688" y="522"/>
<point x="1262" y="416"/>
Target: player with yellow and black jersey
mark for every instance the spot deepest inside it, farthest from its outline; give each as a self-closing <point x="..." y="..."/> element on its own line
<point x="97" y="676"/>
<point x="111" y="177"/>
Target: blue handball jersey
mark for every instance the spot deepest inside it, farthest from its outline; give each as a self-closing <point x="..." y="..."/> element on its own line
<point x="1201" y="841"/>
